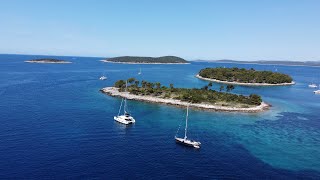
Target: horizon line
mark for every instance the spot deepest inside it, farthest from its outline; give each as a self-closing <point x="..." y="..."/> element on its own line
<point x="194" y="59"/>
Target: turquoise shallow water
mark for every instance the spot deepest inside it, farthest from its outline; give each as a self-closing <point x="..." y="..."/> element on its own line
<point x="56" y="124"/>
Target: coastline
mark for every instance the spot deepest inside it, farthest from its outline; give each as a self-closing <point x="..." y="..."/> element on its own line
<point x="271" y="64"/>
<point x="106" y="61"/>
<point x="46" y="62"/>
<point x="112" y="91"/>
<point x="244" y="84"/>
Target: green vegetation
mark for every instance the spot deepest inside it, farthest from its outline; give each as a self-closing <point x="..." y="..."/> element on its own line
<point x="47" y="60"/>
<point x="135" y="59"/>
<point x="204" y="95"/>
<point x="245" y="75"/>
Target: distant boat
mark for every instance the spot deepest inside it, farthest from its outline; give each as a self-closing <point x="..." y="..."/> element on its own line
<point x="139" y="71"/>
<point x="317" y="91"/>
<point x="275" y="69"/>
<point x="312" y="85"/>
<point x="103" y="78"/>
<point x="185" y="141"/>
<point x="126" y="118"/>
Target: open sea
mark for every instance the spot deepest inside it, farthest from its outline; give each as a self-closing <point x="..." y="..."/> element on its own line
<point x="55" y="124"/>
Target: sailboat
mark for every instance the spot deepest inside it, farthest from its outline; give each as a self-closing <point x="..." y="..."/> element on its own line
<point x="317" y="91"/>
<point x="275" y="69"/>
<point x="103" y="77"/>
<point x="126" y="118"/>
<point x="185" y="141"/>
<point x="139" y="71"/>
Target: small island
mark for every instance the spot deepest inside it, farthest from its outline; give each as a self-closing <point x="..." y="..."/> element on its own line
<point x="247" y="77"/>
<point x="204" y="98"/>
<point x="48" y="61"/>
<point x="146" y="60"/>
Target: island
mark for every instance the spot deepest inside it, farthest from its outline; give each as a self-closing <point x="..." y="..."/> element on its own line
<point x="146" y="60"/>
<point x="48" y="61"/>
<point x="204" y="98"/>
<point x="247" y="77"/>
<point x="266" y="62"/>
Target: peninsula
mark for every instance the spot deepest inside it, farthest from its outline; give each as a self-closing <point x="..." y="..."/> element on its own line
<point x="146" y="60"/>
<point x="49" y="61"/>
<point x="205" y="99"/>
<point x="247" y="77"/>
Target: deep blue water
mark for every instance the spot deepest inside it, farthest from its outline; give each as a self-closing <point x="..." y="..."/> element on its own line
<point x="56" y="124"/>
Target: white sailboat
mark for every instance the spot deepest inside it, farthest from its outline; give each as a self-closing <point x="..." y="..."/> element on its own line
<point x="185" y="141"/>
<point x="317" y="91"/>
<point x="139" y="71"/>
<point x="103" y="77"/>
<point x="126" y="118"/>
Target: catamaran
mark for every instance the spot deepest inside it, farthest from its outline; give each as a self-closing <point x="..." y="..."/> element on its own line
<point x="126" y="118"/>
<point x="185" y="141"/>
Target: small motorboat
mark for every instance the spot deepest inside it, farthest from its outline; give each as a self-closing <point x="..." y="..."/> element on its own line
<point x="312" y="85"/>
<point x="103" y="78"/>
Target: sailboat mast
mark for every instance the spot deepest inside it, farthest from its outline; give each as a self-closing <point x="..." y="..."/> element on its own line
<point x="125" y="99"/>
<point x="185" y="130"/>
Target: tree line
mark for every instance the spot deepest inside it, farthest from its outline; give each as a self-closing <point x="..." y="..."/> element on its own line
<point x="194" y="95"/>
<point x="245" y="75"/>
<point x="137" y="59"/>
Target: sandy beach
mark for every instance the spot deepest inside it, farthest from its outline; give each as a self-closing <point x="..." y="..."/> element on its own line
<point x="245" y="84"/>
<point x="112" y="91"/>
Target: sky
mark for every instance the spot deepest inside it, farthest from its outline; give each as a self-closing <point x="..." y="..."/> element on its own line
<point x="192" y="29"/>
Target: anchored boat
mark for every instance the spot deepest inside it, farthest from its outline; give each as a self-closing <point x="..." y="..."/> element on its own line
<point x="126" y="118"/>
<point x="317" y="91"/>
<point x="103" y="78"/>
<point x="312" y="85"/>
<point x="185" y="141"/>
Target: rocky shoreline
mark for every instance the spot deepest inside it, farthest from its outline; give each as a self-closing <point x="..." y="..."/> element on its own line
<point x="112" y="91"/>
<point x="244" y="84"/>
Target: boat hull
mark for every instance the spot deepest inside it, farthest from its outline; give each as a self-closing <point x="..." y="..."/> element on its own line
<point x="103" y="78"/>
<point x="187" y="142"/>
<point x="124" y="120"/>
